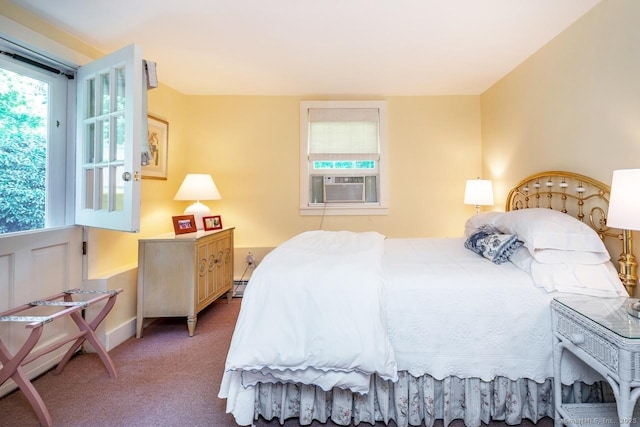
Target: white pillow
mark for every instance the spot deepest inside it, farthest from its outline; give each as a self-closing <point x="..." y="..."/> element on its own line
<point x="587" y="279"/>
<point x="475" y="222"/>
<point x="541" y="228"/>
<point x="559" y="256"/>
<point x="522" y="259"/>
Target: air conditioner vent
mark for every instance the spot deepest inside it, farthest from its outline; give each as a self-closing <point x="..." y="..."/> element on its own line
<point x="343" y="189"/>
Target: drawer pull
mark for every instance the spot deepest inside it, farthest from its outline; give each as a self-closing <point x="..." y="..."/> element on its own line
<point x="577" y="339"/>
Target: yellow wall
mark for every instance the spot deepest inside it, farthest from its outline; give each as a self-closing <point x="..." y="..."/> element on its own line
<point x="574" y="105"/>
<point x="250" y="145"/>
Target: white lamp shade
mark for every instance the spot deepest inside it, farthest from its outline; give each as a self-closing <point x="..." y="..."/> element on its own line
<point x="197" y="186"/>
<point x="478" y="192"/>
<point x="624" y="205"/>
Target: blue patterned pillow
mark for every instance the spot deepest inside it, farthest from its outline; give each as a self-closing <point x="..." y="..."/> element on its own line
<point x="493" y="245"/>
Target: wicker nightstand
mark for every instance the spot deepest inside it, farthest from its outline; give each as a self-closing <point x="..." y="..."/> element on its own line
<point x="601" y="333"/>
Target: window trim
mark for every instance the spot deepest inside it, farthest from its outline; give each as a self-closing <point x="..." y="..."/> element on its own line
<point x="379" y="208"/>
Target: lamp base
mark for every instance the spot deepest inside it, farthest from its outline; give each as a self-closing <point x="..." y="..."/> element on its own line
<point x="198" y="210"/>
<point x="634" y="309"/>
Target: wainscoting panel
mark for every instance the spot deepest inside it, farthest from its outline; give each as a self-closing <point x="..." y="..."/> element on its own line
<point x="34" y="266"/>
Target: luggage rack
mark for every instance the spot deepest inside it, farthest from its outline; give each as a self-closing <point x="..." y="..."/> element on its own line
<point x="12" y="364"/>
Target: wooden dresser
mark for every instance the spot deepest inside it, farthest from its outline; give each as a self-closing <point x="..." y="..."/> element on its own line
<point x="179" y="275"/>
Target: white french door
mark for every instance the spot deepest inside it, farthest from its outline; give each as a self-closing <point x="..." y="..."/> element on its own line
<point x="111" y="128"/>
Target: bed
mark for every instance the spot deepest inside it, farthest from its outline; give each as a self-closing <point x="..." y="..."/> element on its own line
<point x="359" y="328"/>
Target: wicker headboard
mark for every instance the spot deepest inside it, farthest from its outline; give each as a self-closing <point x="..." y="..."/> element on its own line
<point x="584" y="198"/>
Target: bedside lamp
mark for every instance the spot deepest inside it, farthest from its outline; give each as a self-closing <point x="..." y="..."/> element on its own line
<point x="624" y="213"/>
<point x="198" y="187"/>
<point x="478" y="192"/>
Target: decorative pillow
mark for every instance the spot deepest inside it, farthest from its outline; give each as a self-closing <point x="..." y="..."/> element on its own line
<point x="586" y="279"/>
<point x="475" y="222"/>
<point x="542" y="229"/>
<point x="494" y="246"/>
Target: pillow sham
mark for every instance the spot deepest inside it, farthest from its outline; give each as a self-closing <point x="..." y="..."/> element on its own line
<point x="475" y="222"/>
<point x="496" y="247"/>
<point x="541" y="228"/>
<point x="559" y="256"/>
<point x="586" y="279"/>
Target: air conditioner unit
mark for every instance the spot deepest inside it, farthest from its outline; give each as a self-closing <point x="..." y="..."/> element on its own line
<point x="343" y="189"/>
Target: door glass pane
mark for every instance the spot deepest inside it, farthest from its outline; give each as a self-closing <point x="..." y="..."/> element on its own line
<point x="88" y="185"/>
<point x="105" y="94"/>
<point x="119" y="188"/>
<point x="91" y="98"/>
<point x="120" y="88"/>
<point x="103" y="185"/>
<point x="23" y="150"/>
<point x="89" y="143"/>
<point x="105" y="141"/>
<point x="119" y="136"/>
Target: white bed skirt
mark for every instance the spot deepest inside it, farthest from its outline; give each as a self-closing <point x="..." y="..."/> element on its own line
<point x="419" y="401"/>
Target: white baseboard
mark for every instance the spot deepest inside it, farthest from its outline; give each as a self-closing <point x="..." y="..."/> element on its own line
<point x="115" y="337"/>
<point x="121" y="334"/>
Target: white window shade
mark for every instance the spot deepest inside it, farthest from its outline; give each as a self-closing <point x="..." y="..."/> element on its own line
<point x="344" y="130"/>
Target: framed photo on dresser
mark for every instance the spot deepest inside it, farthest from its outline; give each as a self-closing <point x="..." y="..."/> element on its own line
<point x="183" y="224"/>
<point x="212" y="222"/>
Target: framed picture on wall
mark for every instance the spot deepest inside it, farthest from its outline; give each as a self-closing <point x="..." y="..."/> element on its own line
<point x="212" y="222"/>
<point x="154" y="163"/>
<point x="184" y="224"/>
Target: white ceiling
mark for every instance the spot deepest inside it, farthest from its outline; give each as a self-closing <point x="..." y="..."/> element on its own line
<point x="320" y="47"/>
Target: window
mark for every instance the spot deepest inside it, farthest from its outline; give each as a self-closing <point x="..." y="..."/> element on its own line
<point x="343" y="164"/>
<point x="37" y="141"/>
<point x="33" y="148"/>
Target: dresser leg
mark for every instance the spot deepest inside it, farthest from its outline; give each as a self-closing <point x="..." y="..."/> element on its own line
<point x="191" y="324"/>
<point x="139" y="326"/>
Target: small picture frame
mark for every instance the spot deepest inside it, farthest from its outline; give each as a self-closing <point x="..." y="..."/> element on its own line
<point x="212" y="222"/>
<point x="183" y="224"/>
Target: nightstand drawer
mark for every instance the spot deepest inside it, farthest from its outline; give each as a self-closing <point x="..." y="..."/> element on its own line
<point x="576" y="330"/>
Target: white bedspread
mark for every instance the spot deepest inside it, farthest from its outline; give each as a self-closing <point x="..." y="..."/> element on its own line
<point x="309" y="317"/>
<point x="452" y="312"/>
<point x="335" y="308"/>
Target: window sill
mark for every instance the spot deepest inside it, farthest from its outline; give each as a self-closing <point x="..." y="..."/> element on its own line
<point x="344" y="210"/>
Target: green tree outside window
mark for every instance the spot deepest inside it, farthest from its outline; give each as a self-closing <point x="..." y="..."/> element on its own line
<point x="23" y="152"/>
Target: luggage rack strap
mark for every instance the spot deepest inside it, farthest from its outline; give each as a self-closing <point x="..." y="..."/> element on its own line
<point x="87" y="291"/>
<point x="29" y="319"/>
<point x="59" y="303"/>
